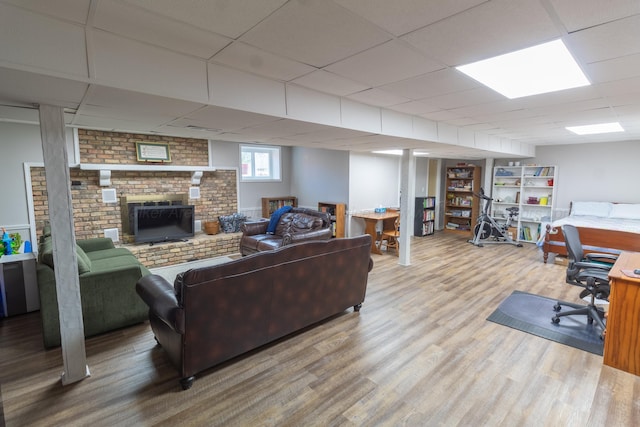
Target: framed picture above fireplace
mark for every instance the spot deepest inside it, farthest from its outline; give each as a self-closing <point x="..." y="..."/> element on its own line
<point x="153" y="152"/>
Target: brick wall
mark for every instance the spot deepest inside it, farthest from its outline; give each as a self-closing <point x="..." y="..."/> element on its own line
<point x="120" y="148"/>
<point x="218" y="189"/>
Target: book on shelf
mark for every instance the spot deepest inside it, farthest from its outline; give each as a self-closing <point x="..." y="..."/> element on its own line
<point x="428" y="203"/>
<point x="543" y="171"/>
<point x="525" y="233"/>
<point x="427" y="228"/>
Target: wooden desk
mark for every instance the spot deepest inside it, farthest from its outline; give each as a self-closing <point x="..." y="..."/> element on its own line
<point x="370" y="221"/>
<point x="622" y="342"/>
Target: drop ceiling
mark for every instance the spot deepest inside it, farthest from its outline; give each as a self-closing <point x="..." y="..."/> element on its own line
<point x="382" y="66"/>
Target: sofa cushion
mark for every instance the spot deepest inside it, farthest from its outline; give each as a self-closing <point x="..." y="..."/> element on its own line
<point x="108" y="253"/>
<point x="106" y="265"/>
<point x="302" y="223"/>
<point x="84" y="263"/>
<point x="45" y="252"/>
<point x="284" y="224"/>
<point x="45" y="256"/>
<point x="275" y="218"/>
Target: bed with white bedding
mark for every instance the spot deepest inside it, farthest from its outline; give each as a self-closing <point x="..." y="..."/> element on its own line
<point x="603" y="227"/>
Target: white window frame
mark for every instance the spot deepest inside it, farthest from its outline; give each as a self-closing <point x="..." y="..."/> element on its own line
<point x="275" y="162"/>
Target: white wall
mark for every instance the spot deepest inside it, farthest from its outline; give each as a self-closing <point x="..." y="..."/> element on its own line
<point x="593" y="172"/>
<point x="374" y="180"/>
<point x="20" y="143"/>
<point x="319" y="175"/>
<point x="227" y="155"/>
<point x="422" y="177"/>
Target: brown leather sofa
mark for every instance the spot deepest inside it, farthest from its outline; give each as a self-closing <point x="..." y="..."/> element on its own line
<point x="297" y="225"/>
<point x="213" y="314"/>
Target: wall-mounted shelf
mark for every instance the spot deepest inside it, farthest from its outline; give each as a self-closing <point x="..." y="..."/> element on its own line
<point x="150" y="168"/>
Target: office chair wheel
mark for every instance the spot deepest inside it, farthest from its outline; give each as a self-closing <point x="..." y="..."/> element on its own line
<point x="557" y="307"/>
<point x="555" y="319"/>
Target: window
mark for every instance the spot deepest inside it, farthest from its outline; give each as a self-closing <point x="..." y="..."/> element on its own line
<point x="260" y="163"/>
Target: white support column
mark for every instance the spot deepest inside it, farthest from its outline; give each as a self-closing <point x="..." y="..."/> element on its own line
<point x="488" y="176"/>
<point x="439" y="196"/>
<point x="56" y="168"/>
<point x="408" y="191"/>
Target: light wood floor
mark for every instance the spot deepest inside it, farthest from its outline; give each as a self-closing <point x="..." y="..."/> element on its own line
<point x="420" y="352"/>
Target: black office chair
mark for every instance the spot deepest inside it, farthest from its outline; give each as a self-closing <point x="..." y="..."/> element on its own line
<point x="589" y="271"/>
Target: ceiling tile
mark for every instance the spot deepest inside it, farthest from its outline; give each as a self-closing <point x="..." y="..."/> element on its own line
<point x="414" y="107"/>
<point x="612" y="40"/>
<point x="69" y="10"/>
<point x="28" y="89"/>
<point x="432" y="84"/>
<point x="475" y="96"/>
<point x="440" y="115"/>
<point x="327" y="82"/>
<point x="580" y="14"/>
<point x="281" y="128"/>
<point x="614" y="69"/>
<point x="387" y="63"/>
<point x="316" y="32"/>
<point x="479" y="33"/>
<point x="223" y="118"/>
<point x="378" y="98"/>
<point x="142" y="25"/>
<point x="119" y="103"/>
<point x="402" y="16"/>
<point x="253" y="60"/>
<point x="228" y="18"/>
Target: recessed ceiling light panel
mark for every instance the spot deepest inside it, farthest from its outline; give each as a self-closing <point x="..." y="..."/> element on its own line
<point x="595" y="129"/>
<point x="544" y="68"/>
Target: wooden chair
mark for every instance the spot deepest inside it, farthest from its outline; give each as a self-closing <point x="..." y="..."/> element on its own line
<point x="391" y="236"/>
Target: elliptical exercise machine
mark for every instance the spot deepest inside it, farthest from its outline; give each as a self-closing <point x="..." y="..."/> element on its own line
<point x="488" y="230"/>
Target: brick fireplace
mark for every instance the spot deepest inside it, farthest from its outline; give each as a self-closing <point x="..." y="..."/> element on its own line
<point x="218" y="189"/>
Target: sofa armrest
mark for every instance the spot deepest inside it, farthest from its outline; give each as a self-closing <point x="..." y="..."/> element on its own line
<point x="253" y="228"/>
<point x="96" y="244"/>
<point x="160" y="296"/>
<point x="321" y="234"/>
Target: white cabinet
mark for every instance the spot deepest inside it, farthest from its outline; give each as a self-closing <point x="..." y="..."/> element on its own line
<point x="18" y="284"/>
<point x="531" y="188"/>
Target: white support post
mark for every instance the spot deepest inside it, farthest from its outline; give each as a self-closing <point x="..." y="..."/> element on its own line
<point x="408" y="191"/>
<point x="56" y="168"/>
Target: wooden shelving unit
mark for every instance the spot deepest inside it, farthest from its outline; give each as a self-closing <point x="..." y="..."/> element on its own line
<point x="462" y="208"/>
<point x="337" y="212"/>
<point x="272" y="204"/>
<point x="425" y="216"/>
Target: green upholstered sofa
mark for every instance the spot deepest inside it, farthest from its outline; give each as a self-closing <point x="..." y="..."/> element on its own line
<point x="108" y="277"/>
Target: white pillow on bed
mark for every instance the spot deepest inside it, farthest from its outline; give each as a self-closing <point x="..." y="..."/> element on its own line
<point x="599" y="209"/>
<point x="625" y="211"/>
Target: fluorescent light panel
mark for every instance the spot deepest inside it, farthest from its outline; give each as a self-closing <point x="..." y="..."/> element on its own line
<point x="594" y="129"/>
<point x="544" y="68"/>
<point x="399" y="152"/>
